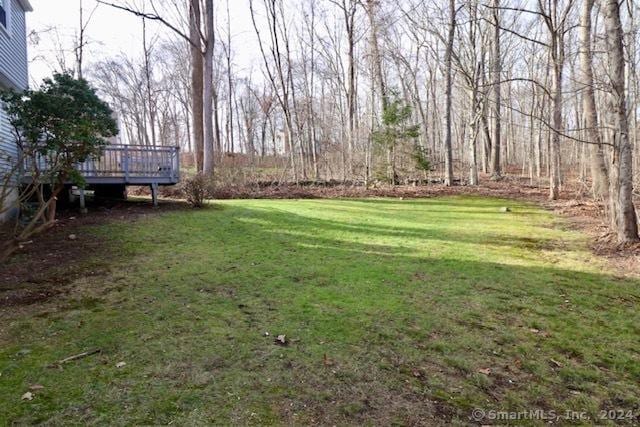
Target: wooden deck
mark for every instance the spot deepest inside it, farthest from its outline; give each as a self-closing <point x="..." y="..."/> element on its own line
<point x="129" y="165"/>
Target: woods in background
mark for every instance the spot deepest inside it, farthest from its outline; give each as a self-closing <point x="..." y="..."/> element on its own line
<point x="368" y="91"/>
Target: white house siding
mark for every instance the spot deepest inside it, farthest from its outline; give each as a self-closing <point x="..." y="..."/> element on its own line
<point x="13" y="74"/>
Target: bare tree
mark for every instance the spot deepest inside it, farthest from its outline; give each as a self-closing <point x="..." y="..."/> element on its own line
<point x="349" y="9"/>
<point x="496" y="167"/>
<point x="196" y="39"/>
<point x="378" y="81"/>
<point x="197" y="82"/>
<point x="81" y="37"/>
<point x="207" y="91"/>
<point x="280" y="78"/>
<point x="622" y="167"/>
<point x="448" y="151"/>
<point x="555" y="17"/>
<point x="599" y="173"/>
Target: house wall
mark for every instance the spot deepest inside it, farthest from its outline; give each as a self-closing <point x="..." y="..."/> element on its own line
<point x="13" y="49"/>
<point x="8" y="157"/>
<point x="14" y="75"/>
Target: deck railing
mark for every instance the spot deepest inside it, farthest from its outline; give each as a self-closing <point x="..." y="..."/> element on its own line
<point x="130" y="164"/>
<point x="133" y="161"/>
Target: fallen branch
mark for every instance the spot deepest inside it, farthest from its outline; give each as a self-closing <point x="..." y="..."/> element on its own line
<point x="75" y="357"/>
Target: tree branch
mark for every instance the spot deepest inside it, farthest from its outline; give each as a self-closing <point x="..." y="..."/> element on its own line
<point x="152" y="17"/>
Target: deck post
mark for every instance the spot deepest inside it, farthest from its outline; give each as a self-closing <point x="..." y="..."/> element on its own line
<point x="176" y="163"/>
<point x="154" y="194"/>
<point x="83" y="205"/>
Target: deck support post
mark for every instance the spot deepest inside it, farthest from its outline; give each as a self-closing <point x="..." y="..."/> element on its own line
<point x="154" y="194"/>
<point x="83" y="205"/>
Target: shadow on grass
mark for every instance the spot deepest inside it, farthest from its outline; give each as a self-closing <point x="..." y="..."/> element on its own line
<point x="408" y="328"/>
<point x="467" y="233"/>
<point x="548" y="334"/>
<point x="383" y="327"/>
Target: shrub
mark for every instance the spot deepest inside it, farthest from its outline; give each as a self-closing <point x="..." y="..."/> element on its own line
<point x="195" y="190"/>
<point x="57" y="126"/>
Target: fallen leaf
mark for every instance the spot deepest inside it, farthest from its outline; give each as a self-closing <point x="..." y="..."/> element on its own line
<point x="27" y="396"/>
<point x="485" y="371"/>
<point x="121" y="364"/>
<point x="417" y="373"/>
<point x="36" y="387"/>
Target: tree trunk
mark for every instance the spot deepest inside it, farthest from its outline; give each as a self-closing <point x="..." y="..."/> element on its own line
<point x="474" y="132"/>
<point x="476" y="105"/>
<point x="448" y="162"/>
<point x="208" y="90"/>
<point x="554" y="152"/>
<point x="379" y="81"/>
<point x="557" y="64"/>
<point x="197" y="81"/>
<point x="599" y="174"/>
<point x="352" y="89"/>
<point x="496" y="167"/>
<point x="230" y="127"/>
<point x="622" y="168"/>
<point x="148" y="78"/>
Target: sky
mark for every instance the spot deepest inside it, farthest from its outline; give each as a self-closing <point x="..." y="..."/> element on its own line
<point x="111" y="32"/>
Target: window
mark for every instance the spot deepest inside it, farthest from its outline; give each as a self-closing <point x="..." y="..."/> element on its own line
<point x="4" y="12"/>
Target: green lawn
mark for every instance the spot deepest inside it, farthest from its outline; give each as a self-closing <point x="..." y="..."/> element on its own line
<point x="395" y="312"/>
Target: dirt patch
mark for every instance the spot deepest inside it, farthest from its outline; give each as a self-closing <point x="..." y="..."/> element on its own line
<point x="27" y="296"/>
<point x="44" y="267"/>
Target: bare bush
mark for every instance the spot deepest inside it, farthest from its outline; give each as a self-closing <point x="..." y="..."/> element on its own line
<point x="195" y="189"/>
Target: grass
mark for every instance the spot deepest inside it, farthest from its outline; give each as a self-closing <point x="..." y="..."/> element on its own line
<point x="395" y="312"/>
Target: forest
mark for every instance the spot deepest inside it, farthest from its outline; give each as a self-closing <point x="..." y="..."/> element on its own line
<point x="372" y="92"/>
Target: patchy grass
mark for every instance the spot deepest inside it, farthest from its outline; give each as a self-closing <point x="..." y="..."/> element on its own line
<point x="395" y="312"/>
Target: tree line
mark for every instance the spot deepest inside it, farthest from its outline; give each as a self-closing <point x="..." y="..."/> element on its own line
<point x="371" y="91"/>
